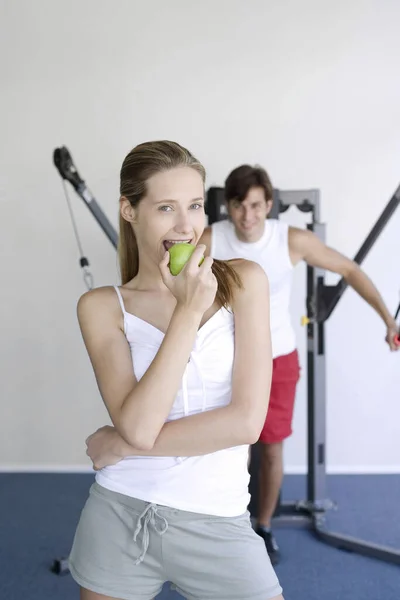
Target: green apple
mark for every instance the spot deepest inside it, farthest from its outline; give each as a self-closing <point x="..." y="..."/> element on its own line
<point x="179" y="255"/>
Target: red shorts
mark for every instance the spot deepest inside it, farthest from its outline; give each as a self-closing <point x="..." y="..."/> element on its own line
<point x="285" y="375"/>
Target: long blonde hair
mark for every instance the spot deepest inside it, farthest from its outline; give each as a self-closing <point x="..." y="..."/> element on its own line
<point x="139" y="165"/>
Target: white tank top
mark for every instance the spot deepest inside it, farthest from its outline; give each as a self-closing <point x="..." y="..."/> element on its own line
<point x="214" y="484"/>
<point x="271" y="252"/>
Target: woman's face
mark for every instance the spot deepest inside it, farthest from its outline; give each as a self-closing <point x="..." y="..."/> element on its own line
<point x="171" y="212"/>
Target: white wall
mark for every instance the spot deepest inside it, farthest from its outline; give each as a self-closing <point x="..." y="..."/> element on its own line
<point x="308" y="89"/>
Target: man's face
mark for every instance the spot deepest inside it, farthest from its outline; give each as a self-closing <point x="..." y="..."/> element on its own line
<point x="249" y="215"/>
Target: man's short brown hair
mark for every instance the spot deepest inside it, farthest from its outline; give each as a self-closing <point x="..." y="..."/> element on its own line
<point x="243" y="178"/>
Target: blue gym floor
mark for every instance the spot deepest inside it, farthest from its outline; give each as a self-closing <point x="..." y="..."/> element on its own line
<point x="39" y="513"/>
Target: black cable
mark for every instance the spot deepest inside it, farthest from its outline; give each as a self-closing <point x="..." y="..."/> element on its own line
<point x="83" y="261"/>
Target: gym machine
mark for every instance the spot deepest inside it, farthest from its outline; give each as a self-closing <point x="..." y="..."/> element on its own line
<point x="321" y="301"/>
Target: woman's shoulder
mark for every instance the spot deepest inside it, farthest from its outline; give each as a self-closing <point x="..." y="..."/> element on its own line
<point x="248" y="270"/>
<point x="254" y="280"/>
<point x="98" y="302"/>
<point x="99" y="294"/>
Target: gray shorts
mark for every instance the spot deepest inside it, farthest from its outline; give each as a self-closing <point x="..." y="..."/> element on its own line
<point x="127" y="549"/>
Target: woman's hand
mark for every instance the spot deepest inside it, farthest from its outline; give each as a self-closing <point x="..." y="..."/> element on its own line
<point x="196" y="286"/>
<point x="105" y="447"/>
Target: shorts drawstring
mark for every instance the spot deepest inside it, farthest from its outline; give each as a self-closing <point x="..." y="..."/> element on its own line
<point x="150" y="513"/>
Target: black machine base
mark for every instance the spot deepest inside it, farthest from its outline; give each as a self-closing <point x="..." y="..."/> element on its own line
<point x="303" y="515"/>
<point x="310" y="515"/>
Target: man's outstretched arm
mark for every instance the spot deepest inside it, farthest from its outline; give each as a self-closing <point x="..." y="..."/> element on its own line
<point x="305" y="245"/>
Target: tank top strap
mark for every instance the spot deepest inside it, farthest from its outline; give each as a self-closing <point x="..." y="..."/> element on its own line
<point x="121" y="302"/>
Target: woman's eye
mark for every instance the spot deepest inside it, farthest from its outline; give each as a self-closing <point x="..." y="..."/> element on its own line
<point x="167" y="208"/>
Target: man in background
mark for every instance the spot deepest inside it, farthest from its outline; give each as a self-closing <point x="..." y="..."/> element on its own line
<point x="278" y="248"/>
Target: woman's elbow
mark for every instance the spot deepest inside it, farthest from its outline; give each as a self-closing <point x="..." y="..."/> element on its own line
<point x="253" y="435"/>
<point x="136" y="429"/>
<point x="144" y="444"/>
<point x="138" y="439"/>
<point x="251" y="430"/>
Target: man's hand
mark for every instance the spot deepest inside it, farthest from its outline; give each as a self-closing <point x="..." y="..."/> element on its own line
<point x="392" y="335"/>
<point x="104" y="447"/>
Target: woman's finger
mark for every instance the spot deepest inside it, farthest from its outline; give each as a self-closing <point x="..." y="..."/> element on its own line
<point x="196" y="259"/>
<point x="164" y="268"/>
<point x="206" y="265"/>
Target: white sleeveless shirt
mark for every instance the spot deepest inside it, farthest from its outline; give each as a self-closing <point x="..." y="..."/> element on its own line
<point x="271" y="252"/>
<point x="214" y="484"/>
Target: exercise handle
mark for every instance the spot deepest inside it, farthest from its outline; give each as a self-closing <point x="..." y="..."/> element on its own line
<point x="65" y="166"/>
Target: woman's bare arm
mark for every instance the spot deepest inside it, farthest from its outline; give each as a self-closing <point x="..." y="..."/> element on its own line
<point x="242" y="420"/>
<point x="138" y="410"/>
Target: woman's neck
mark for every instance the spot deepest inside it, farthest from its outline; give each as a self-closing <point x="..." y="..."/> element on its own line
<point x="149" y="278"/>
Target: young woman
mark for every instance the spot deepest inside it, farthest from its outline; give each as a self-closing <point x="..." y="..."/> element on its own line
<point x="183" y="364"/>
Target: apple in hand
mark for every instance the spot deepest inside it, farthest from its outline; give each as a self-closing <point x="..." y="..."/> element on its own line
<point x="179" y="255"/>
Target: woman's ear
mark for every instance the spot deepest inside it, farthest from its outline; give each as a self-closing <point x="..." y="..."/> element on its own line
<point x="127" y="211"/>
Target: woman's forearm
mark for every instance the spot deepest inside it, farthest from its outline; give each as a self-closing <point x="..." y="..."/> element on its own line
<point x="146" y="408"/>
<point x="196" y="435"/>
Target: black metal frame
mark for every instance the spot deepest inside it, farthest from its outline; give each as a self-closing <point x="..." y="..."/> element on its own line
<point x="321" y="301"/>
<point x="65" y="166"/>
